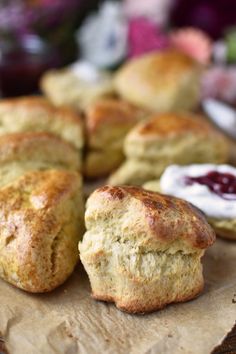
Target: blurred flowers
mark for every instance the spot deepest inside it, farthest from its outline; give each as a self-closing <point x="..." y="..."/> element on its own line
<point x="102" y="37"/>
<point x="54" y="21"/>
<point x="213" y="17"/>
<point x="193" y="42"/>
<point x="220" y="82"/>
<point x="157" y="11"/>
<point x="18" y="16"/>
<point x="145" y="36"/>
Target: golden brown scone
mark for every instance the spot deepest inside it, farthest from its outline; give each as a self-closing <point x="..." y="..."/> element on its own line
<point x="107" y="123"/>
<point x="35" y="113"/>
<point x="224" y="228"/>
<point x="160" y="81"/>
<point x="165" y="139"/>
<point x="41" y="216"/>
<point x="21" y="152"/>
<point x="142" y="250"/>
<point x="63" y="87"/>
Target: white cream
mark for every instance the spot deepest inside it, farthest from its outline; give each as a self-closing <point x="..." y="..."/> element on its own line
<point x="173" y="183"/>
<point x="87" y="72"/>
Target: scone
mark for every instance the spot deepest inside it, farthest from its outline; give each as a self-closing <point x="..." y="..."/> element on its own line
<point x="107" y="122"/>
<point x="41" y="216"/>
<point x="76" y="86"/>
<point x="21" y="152"/>
<point x="142" y="250"/>
<point x="34" y="113"/>
<point x="212" y="188"/>
<point x="160" y="81"/>
<point x="165" y="139"/>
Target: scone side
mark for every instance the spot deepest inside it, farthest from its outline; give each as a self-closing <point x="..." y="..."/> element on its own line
<point x="143" y="250"/>
<point x="133" y="294"/>
<point x="41" y="251"/>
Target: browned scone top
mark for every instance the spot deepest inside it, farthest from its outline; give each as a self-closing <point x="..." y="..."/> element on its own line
<point x="169" y="124"/>
<point x="113" y="111"/>
<point x="39" y="189"/>
<point x="154" y="64"/>
<point x="41" y="216"/>
<point x="38" y="146"/>
<point x="108" y="119"/>
<point x="167" y="218"/>
<point x="161" y="81"/>
<point x="35" y="113"/>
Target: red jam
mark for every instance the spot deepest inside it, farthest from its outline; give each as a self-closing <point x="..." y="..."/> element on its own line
<point x="223" y="184"/>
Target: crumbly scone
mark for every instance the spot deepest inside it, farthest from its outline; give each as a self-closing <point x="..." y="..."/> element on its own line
<point x="41" y="216"/>
<point x="160" y="81"/>
<point x="22" y="152"/>
<point x="35" y="113"/>
<point x="64" y="87"/>
<point x="165" y="139"/>
<point x="142" y="250"/>
<point x="107" y="122"/>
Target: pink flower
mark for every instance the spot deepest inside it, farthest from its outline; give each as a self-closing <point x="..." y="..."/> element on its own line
<point x="144" y="36"/>
<point x="193" y="42"/>
<point x="220" y="82"/>
<point x="155" y="10"/>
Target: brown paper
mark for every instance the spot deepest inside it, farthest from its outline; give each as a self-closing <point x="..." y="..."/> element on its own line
<point x="69" y="321"/>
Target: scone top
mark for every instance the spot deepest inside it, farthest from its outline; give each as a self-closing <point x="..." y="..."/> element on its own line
<point x="182" y="130"/>
<point x="160" y="81"/>
<point x="167" y="125"/>
<point x="148" y="216"/>
<point x="36" y="114"/>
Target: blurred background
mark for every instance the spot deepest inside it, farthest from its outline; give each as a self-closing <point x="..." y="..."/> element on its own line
<point x="36" y="35"/>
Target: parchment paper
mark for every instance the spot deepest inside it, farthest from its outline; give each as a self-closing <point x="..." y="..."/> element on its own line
<point x="69" y="321"/>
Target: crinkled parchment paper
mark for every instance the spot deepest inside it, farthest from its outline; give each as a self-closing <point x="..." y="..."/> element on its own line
<point x="68" y="321"/>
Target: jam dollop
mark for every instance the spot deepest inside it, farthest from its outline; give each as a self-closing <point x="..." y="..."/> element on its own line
<point x="222" y="184"/>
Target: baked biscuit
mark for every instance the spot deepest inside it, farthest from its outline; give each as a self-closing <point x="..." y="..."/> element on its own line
<point x="35" y="113"/>
<point x="204" y="192"/>
<point x="142" y="250"/>
<point x="107" y="123"/>
<point x="160" y="81"/>
<point x="64" y="87"/>
<point x="41" y="216"/>
<point x="165" y="139"/>
<point x="21" y="152"/>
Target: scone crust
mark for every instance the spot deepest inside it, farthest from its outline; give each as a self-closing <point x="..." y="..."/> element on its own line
<point x="142" y="250"/>
<point x="168" y="218"/>
<point x="160" y="81"/>
<point x="166" y="139"/>
<point x="169" y="125"/>
<point x="137" y="306"/>
<point x="107" y="122"/>
<point x="38" y="146"/>
<point x="41" y="216"/>
<point x="63" y="87"/>
<point x="225" y="228"/>
<point x="107" y="113"/>
<point x="35" y="113"/>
